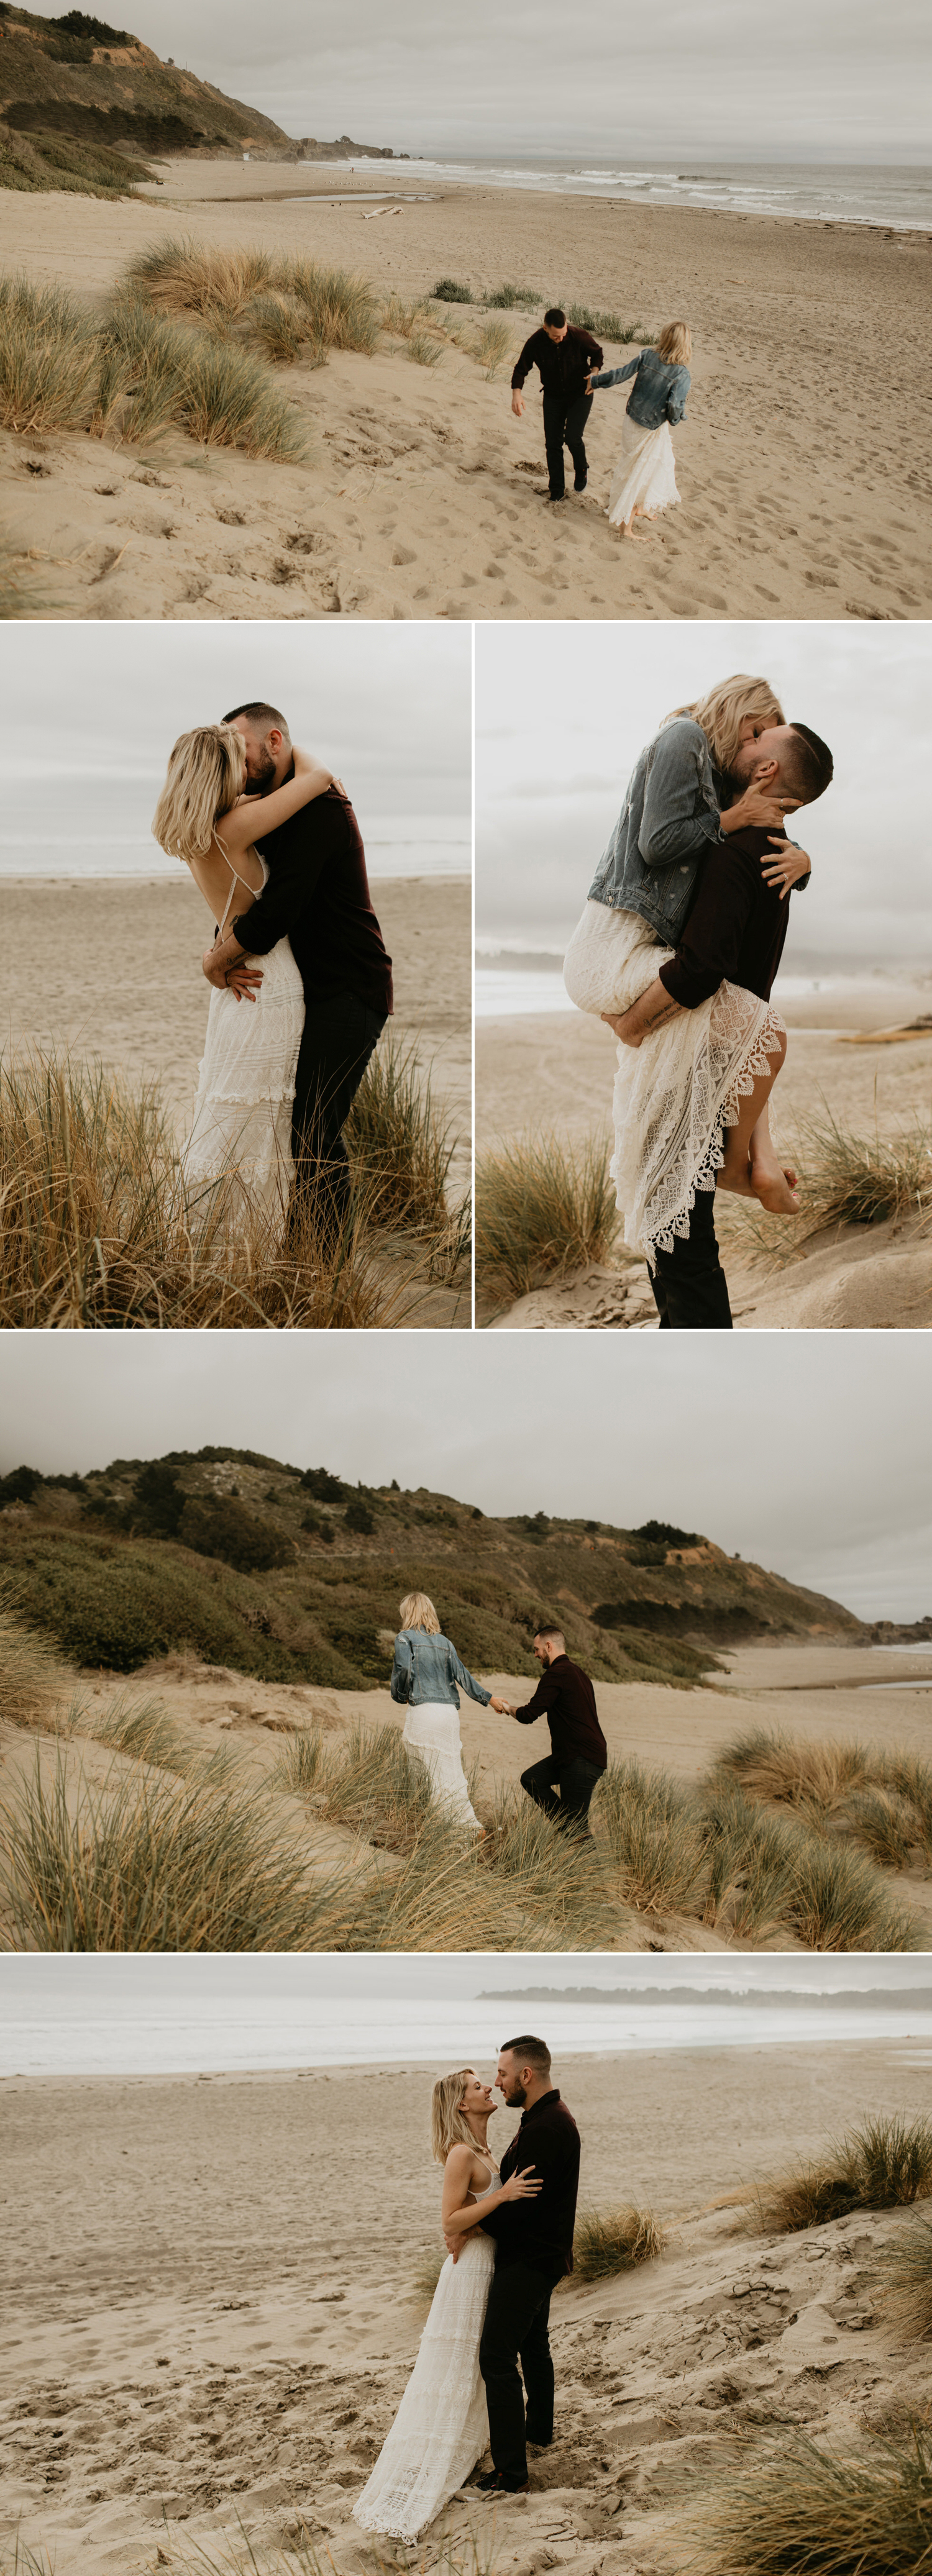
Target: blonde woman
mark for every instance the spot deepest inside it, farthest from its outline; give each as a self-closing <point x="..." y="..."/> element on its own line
<point x="692" y="1088"/>
<point x="644" y="480"/>
<point x="246" y="1079"/>
<point x="442" y="2426"/>
<point x="427" y="1677"/>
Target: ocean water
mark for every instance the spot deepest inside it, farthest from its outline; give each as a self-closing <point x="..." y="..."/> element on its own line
<point x="811" y="192"/>
<point x="510" y="983"/>
<point x="97" y="825"/>
<point x="141" y="2036"/>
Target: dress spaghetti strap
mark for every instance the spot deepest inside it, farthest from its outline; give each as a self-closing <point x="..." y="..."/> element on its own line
<point x="236" y="880"/>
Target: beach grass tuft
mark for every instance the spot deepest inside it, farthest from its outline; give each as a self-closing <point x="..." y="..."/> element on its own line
<point x="904" y="2288"/>
<point x="512" y="299"/>
<point x="450" y="290"/>
<point x="606" y="326"/>
<point x="398" y="1140"/>
<point x="652" y="1831"/>
<point x="49" y="356"/>
<point x="491" y="347"/>
<point x="604" y="2246"/>
<point x="32" y="1681"/>
<point x="886" y="2164"/>
<point x="799" y="2509"/>
<point x="542" y="1207"/>
<point x="101" y="1230"/>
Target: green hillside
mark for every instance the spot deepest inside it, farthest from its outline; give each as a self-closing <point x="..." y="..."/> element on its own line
<point x="293" y="1576"/>
<point x="74" y="87"/>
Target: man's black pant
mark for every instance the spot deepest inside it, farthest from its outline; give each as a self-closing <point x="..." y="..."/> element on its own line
<point x="565" y="421"/>
<point x="575" y="1781"/>
<point x="690" y="1290"/>
<point x="340" y="1035"/>
<point x="516" y="2327"/>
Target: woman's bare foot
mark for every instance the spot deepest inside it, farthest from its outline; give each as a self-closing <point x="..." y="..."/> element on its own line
<point x="771" y="1184"/>
<point x="735" y="1176"/>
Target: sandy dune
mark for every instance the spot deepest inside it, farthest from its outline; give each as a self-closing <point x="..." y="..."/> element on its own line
<point x="801" y="493"/>
<point x="808" y="1691"/>
<point x="203" y="2319"/>
<point x="878" y="1278"/>
<point x="112" y="968"/>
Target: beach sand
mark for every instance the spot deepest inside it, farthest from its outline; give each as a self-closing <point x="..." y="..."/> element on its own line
<point x="801" y="483"/>
<point x="210" y="2313"/>
<point x="810" y="1691"/>
<point x="113" y="968"/>
<point x="879" y="1277"/>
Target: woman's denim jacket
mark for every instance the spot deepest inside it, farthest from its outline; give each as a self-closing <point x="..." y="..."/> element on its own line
<point x="660" y="390"/>
<point x="428" y="1668"/>
<point x="670" y="818"/>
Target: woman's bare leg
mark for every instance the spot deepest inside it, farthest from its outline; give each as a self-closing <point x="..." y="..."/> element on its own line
<point x="761" y="1176"/>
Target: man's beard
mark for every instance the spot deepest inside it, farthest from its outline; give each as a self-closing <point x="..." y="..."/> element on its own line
<point x="262" y="777"/>
<point x="517" y="2098"/>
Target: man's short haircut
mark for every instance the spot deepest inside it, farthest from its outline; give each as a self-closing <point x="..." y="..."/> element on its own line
<point x="809" y="768"/>
<point x="529" y="2052"/>
<point x="555" y="317"/>
<point x="261" y="716"/>
<point x="546" y="1630"/>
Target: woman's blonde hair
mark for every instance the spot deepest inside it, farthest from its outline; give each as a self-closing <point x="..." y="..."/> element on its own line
<point x="726" y="709"/>
<point x="415" y="1611"/>
<point x="447" y="2125"/>
<point x="675" y="343"/>
<point x="205" y="776"/>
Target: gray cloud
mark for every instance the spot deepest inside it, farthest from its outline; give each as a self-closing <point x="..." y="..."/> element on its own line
<point x="829" y="81"/>
<point x="388" y="707"/>
<point x="562" y="712"/>
<point x="775" y="1448"/>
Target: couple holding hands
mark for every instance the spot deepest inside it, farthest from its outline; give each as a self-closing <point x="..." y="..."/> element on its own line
<point x="427" y="1677"/>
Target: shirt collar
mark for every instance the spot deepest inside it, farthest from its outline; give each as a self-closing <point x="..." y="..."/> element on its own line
<point x="541" y="2105"/>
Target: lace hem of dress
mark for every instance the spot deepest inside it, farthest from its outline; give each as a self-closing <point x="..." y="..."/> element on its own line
<point x="768" y="1042"/>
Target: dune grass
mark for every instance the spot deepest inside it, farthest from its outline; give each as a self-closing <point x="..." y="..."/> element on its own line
<point x="33" y="1684"/>
<point x="371" y="1781"/>
<point x="450" y="290"/>
<point x="904" y="2291"/>
<point x="844" y="1180"/>
<point x="399" y="1142"/>
<point x="607" y="326"/>
<point x="288" y="303"/>
<point x="886" y="2164"/>
<point x="653" y="1832"/>
<point x="877" y="1799"/>
<point x="49" y="358"/>
<point x="101" y="1230"/>
<point x="512" y="299"/>
<point x="604" y="2246"/>
<point x="798" y="2509"/>
<point x="542" y="1207"/>
<point x="491" y="347"/>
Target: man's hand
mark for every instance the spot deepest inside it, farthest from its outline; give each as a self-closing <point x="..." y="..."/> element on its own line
<point x="501" y="1707"/>
<point x="517" y="403"/>
<point x="645" y="1015"/>
<point x="787" y="866"/>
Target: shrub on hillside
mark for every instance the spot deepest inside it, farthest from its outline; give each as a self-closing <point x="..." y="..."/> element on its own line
<point x="115" y="1605"/>
<point x="324" y="1487"/>
<point x="19" y="1486"/>
<point x="159" y="1501"/>
<point x="224" y="1528"/>
<point x="358" y="1517"/>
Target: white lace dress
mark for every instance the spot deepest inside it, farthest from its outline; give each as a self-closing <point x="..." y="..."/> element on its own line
<point x="645" y="474"/>
<point x="442" y="2425"/>
<point x="246" y="1082"/>
<point x="433" y="1732"/>
<point x="677" y="1092"/>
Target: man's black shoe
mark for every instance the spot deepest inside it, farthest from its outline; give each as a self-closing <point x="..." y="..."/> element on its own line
<point x="492" y="2483"/>
<point x="580" y="487"/>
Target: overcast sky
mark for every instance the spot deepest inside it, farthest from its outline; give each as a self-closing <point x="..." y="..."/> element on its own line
<point x="817" y="80"/>
<point x="563" y="711"/>
<point x="808" y="1452"/>
<point x="388" y="707"/>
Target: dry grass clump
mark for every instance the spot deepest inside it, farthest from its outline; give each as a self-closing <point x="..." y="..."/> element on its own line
<point x="749" y="1876"/>
<point x="608" y="326"/>
<point x="32" y="1682"/>
<point x="542" y="1207"/>
<point x="285" y="302"/>
<point x="904" y="2293"/>
<point x="887" y="2164"/>
<point x="879" y="1800"/>
<point x="798" y="2510"/>
<point x="844" y="1180"/>
<point x="555" y="1878"/>
<point x="398" y="1141"/>
<point x="450" y="290"/>
<point x="100" y="1229"/>
<point x="372" y="1782"/>
<point x="653" y="1832"/>
<point x="511" y="299"/>
<point x="142" y="1864"/>
<point x="48" y="358"/>
<point x="491" y="347"/>
<point x="604" y="2246"/>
